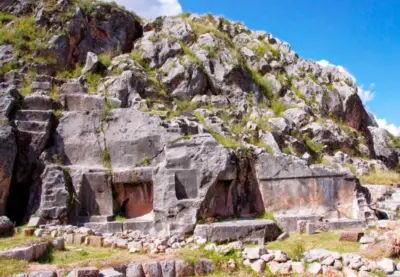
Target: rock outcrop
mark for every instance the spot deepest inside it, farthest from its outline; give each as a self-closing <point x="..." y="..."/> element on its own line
<point x="174" y="120"/>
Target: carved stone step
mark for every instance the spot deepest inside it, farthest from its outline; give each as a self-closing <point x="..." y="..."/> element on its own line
<point x="32" y="126"/>
<point x="33" y="115"/>
<point x="38" y="102"/>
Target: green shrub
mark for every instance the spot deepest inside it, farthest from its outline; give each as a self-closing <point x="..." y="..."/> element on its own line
<point x="93" y="80"/>
<point x="191" y="55"/>
<point x="278" y="106"/>
<point x="105" y="58"/>
<point x="381" y="177"/>
<point x="6" y="18"/>
<point x="395" y="141"/>
<point x="331" y="86"/>
<point x="24" y="35"/>
<point x="314" y="146"/>
<point x="264" y="84"/>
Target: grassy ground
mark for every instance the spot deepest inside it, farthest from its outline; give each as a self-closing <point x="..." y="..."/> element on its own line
<point x="74" y="256"/>
<point x="381" y="178"/>
<point x="16" y="240"/>
<point x="297" y="243"/>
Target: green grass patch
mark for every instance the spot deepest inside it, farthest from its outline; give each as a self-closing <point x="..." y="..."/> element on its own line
<point x="105" y="58"/>
<point x="10" y="267"/>
<point x="264" y="84"/>
<point x="380" y="177"/>
<point x="328" y="240"/>
<point x="278" y="106"/>
<point x="17" y="239"/>
<point x="314" y="146"/>
<point x="24" y="35"/>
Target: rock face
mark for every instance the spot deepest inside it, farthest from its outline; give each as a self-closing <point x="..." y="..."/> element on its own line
<point x="174" y="120"/>
<point x="8" y="151"/>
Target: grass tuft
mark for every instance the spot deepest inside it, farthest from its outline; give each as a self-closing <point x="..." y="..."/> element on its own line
<point x="381" y="177"/>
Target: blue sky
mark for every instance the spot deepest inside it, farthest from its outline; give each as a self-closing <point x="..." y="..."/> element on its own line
<point x="363" y="36"/>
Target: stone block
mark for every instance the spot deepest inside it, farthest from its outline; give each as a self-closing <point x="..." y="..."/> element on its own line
<point x="350" y="235"/>
<point x="59" y="244"/>
<point x="310" y="228"/>
<point x="110" y="272"/>
<point x="79" y="239"/>
<point x="204" y="267"/>
<point x="168" y="268"/>
<point x="257" y="231"/>
<point x="69" y="238"/>
<point x="95" y="241"/>
<point x="254" y="253"/>
<point x="43" y="274"/>
<point x="134" y="270"/>
<point x="183" y="269"/>
<point x="258" y="266"/>
<point x="29" y="232"/>
<point x="152" y="269"/>
<point x="34" y="222"/>
<point x="84" y="272"/>
<point x="105" y="227"/>
<point x="301" y="226"/>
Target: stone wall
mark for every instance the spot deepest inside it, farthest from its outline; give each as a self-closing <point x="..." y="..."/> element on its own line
<point x="291" y="187"/>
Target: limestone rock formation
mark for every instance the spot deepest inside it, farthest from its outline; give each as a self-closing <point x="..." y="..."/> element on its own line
<point x="172" y="121"/>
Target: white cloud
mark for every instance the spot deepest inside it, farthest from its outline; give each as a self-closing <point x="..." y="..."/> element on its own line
<point x="152" y="8"/>
<point x="366" y="95"/>
<point x="395" y="130"/>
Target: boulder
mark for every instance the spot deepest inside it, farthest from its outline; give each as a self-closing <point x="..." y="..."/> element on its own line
<point x="92" y="62"/>
<point x="6" y="226"/>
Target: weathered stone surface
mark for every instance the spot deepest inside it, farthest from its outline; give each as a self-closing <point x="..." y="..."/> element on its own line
<point x="55" y="197"/>
<point x="134" y="270"/>
<point x="387" y="265"/>
<point x="6" y="226"/>
<point x="84" y="272"/>
<point x="91" y="63"/>
<point x="183" y="269"/>
<point x="204" y="267"/>
<point x="168" y="268"/>
<point x="351" y="235"/>
<point x="254" y="253"/>
<point x="8" y="152"/>
<point x="28" y="253"/>
<point x="43" y="274"/>
<point x="246" y="230"/>
<point x="110" y="272"/>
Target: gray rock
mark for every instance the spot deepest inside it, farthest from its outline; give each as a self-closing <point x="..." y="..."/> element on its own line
<point x="204" y="267"/>
<point x="314" y="268"/>
<point x="152" y="269"/>
<point x="92" y="62"/>
<point x="283" y="236"/>
<point x="382" y="147"/>
<point x="183" y="269"/>
<point x="6" y="226"/>
<point x="43" y="274"/>
<point x="254" y="253"/>
<point x="110" y="272"/>
<point x="59" y="244"/>
<point x="168" y="268"/>
<point x="134" y="270"/>
<point x="8" y="151"/>
<point x="6" y="53"/>
<point x="387" y="265"/>
<point x="246" y="231"/>
<point x="258" y="266"/>
<point x="84" y="272"/>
